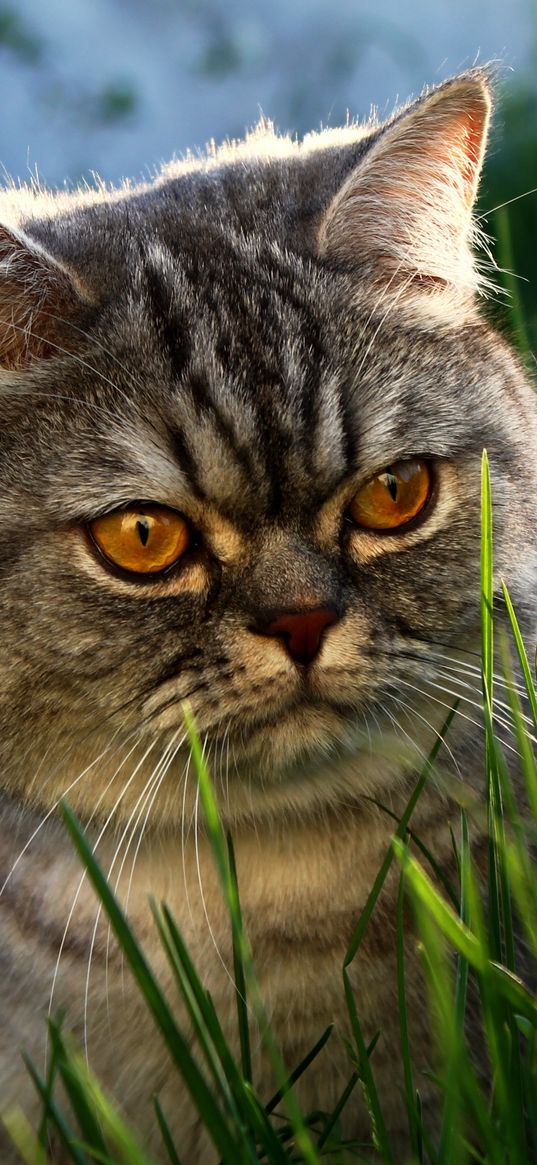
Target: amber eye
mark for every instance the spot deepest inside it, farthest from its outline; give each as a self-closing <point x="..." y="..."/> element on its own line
<point x="143" y="539"/>
<point x="392" y="498"/>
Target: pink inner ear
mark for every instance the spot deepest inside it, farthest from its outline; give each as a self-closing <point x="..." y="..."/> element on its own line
<point x="474" y="129"/>
<point x="467" y="137"/>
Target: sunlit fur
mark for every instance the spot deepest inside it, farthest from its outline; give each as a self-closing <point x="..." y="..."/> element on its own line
<point x="246" y="340"/>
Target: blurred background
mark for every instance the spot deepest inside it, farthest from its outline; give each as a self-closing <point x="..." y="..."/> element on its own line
<point x="114" y="87"/>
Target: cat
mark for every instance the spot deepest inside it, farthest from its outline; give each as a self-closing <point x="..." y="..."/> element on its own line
<point x="243" y="411"/>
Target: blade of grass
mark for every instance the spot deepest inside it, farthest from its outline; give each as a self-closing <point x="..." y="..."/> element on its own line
<point x="528" y="761"/>
<point x="451" y="1117"/>
<point x="301" y="1068"/>
<point x="337" y="1111"/>
<point x="429" y="857"/>
<point x="23" y="1137"/>
<point x="240" y="978"/>
<point x="463" y="939"/>
<point x="207" y="1025"/>
<point x="264" y="1131"/>
<point x="380" y="1132"/>
<point x="89" y="1126"/>
<point x="458" y="1075"/>
<point x="230" y="893"/>
<point x="380" y="878"/>
<point x="403" y="1019"/>
<point x="123" y="1141"/>
<point x="55" y="1116"/>
<point x="199" y="1006"/>
<point x="521" y="651"/>
<point x="51" y="1075"/>
<point x="502" y="1035"/>
<point x="166" y="1134"/>
<point x="487" y="671"/>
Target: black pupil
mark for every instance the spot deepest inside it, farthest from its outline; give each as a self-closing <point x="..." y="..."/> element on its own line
<point x="143" y="528"/>
<point x="391" y="484"/>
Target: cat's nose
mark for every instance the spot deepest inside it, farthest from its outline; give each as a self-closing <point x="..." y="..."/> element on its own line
<point x="301" y="631"/>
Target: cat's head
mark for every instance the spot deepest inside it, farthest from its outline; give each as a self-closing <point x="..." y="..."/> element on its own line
<point x="243" y="411"/>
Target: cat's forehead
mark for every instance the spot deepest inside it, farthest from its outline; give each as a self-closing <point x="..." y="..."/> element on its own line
<point x="240" y="368"/>
<point x="264" y="405"/>
<point x="235" y="349"/>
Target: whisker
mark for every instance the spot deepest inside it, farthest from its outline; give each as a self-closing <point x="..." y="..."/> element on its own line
<point x="148" y="794"/>
<point x="94" y="848"/>
<point x="52" y="810"/>
<point x="165" y="763"/>
<point x="442" y="703"/>
<point x="404" y="704"/>
<point x="96" y="344"/>
<point x="454" y="678"/>
<point x="29" y="332"/>
<point x="501" y="205"/>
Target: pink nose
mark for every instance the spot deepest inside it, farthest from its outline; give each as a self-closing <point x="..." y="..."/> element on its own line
<point x="302" y="632"/>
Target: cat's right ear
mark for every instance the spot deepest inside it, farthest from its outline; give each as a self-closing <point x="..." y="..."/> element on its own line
<point x="38" y="298"/>
<point x="403" y="217"/>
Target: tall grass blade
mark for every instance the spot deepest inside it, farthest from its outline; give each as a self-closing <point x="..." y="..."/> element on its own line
<point x="230" y="893"/>
<point x="240" y="977"/>
<point x="300" y="1068"/>
<point x="24" y="1139"/>
<point x="403" y="1020"/>
<point x="76" y="1092"/>
<point x="380" y="1132"/>
<point x="125" y="1148"/>
<point x="400" y="832"/>
<point x="56" y="1118"/>
<point x="166" y="1134"/>
<point x="522" y="655"/>
<point x="463" y="939"/>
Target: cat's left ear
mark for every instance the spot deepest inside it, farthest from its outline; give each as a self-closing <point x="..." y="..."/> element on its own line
<point x="39" y="298"/>
<point x="404" y="215"/>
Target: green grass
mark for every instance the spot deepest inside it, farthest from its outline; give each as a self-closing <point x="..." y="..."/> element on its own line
<point x="467" y="936"/>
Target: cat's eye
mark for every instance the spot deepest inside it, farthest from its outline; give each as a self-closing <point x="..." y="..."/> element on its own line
<point x="394" y="497"/>
<point x="144" y="539"/>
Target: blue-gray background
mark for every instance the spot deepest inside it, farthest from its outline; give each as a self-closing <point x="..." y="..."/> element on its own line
<point x="117" y="86"/>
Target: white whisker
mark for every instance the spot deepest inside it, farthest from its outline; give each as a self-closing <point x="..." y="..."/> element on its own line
<point x="94" y="848"/>
<point x="52" y="810"/>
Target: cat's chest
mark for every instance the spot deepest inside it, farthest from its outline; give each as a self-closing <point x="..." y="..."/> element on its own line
<point x="302" y="889"/>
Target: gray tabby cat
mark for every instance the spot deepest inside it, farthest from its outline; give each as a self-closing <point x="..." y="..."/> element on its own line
<point x="243" y="410"/>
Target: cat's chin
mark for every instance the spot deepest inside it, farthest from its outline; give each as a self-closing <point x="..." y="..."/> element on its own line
<point x="305" y="731"/>
<point x="307" y="760"/>
<point x="303" y="740"/>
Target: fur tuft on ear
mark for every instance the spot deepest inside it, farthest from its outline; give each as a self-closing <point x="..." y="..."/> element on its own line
<point x="405" y="213"/>
<point x="37" y="296"/>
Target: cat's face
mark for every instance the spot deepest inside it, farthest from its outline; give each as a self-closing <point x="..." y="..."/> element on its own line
<point x="252" y="483"/>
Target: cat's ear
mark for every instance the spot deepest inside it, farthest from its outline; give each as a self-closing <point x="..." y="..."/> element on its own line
<point x="38" y="298"/>
<point x="405" y="213"/>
